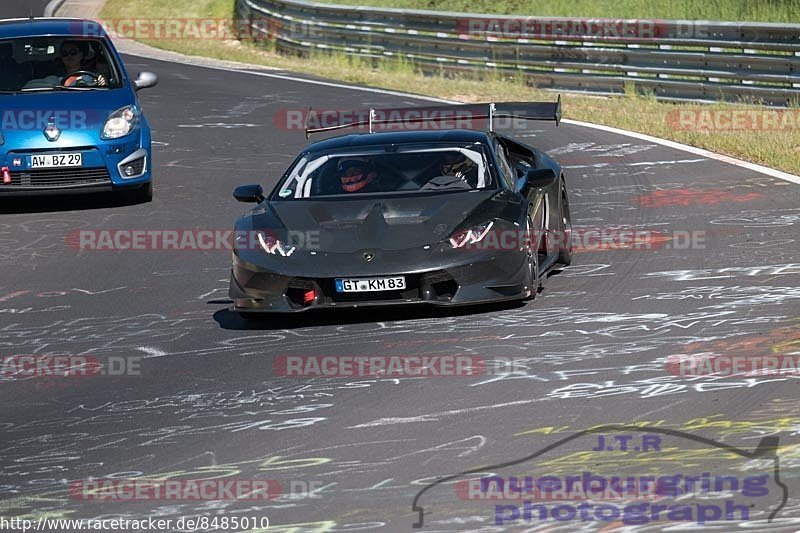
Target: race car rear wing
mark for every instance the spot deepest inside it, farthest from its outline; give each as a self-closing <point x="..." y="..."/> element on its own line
<point x="459" y="114"/>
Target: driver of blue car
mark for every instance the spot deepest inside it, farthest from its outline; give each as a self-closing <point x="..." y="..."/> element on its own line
<point x="71" y="69"/>
<point x="73" y="56"/>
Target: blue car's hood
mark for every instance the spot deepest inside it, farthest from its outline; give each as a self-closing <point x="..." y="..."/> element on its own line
<point x="80" y="115"/>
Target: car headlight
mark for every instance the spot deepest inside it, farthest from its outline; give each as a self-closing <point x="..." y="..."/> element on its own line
<point x="121" y="122"/>
<point x="273" y="246"/>
<point x="473" y="235"/>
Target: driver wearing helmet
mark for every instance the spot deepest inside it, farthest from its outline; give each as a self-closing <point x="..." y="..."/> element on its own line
<point x="358" y="175"/>
<point x="458" y="165"/>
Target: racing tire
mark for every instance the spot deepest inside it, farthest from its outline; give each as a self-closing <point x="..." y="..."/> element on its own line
<point x="565" y="238"/>
<point x="534" y="280"/>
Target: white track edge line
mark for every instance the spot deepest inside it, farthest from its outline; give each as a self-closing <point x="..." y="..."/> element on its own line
<point x="691" y="149"/>
<point x="785" y="176"/>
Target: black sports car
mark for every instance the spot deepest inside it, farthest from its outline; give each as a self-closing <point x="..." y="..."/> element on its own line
<point x="438" y="217"/>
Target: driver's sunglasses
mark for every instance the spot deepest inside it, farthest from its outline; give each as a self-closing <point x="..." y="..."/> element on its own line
<point x="71" y="53"/>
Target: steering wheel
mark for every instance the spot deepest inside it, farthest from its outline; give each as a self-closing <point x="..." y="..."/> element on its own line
<point x="446" y="182"/>
<point x="75" y="79"/>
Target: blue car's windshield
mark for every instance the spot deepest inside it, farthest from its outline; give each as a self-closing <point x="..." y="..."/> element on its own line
<point x="44" y="64"/>
<point x="400" y="169"/>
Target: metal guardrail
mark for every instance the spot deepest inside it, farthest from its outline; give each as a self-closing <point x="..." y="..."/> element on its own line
<point x="715" y="61"/>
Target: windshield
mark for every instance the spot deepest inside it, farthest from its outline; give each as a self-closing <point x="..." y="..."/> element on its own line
<point x="386" y="170"/>
<point x="43" y="64"/>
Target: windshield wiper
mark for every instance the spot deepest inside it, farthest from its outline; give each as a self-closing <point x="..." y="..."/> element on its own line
<point x="56" y="88"/>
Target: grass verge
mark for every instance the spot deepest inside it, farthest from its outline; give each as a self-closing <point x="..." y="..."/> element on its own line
<point x="777" y="147"/>
<point x="733" y="10"/>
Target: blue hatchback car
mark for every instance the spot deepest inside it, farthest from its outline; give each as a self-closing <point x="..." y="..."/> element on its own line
<point x="70" y="120"/>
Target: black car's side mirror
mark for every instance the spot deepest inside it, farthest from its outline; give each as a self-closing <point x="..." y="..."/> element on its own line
<point x="540" y="178"/>
<point x="249" y="193"/>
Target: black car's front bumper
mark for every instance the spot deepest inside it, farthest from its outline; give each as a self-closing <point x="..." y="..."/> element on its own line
<point x="466" y="277"/>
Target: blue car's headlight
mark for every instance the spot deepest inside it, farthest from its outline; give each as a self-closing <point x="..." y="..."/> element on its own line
<point x="473" y="235"/>
<point x="121" y="122"/>
<point x="273" y="246"/>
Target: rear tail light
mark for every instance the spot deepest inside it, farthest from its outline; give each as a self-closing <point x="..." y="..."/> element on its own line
<point x="308" y="297"/>
<point x="304" y="295"/>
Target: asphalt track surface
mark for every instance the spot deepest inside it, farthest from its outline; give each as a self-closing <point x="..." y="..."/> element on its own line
<point x="208" y="402"/>
<point x="22" y="8"/>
